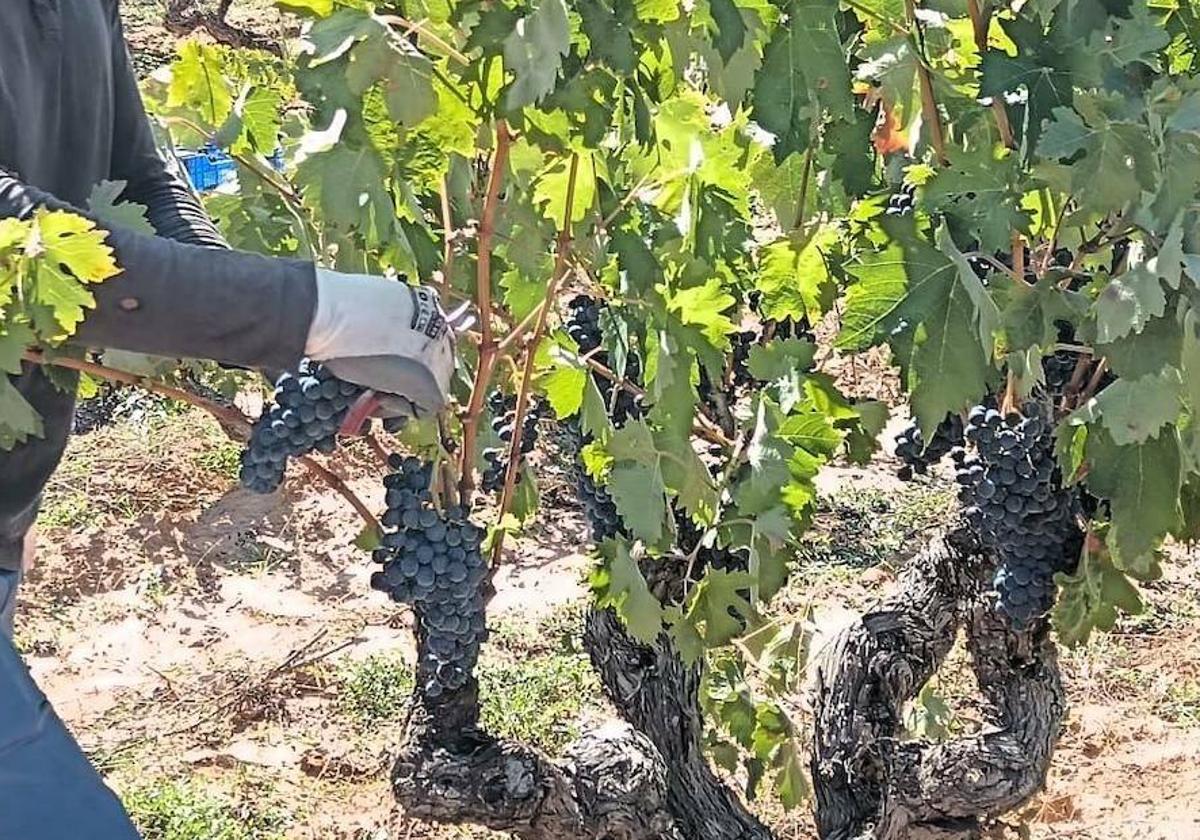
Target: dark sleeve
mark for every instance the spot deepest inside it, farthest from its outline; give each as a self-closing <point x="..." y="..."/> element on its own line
<point x="152" y="180"/>
<point x="176" y="299"/>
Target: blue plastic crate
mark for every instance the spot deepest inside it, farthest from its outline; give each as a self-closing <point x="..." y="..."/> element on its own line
<point x="209" y="168"/>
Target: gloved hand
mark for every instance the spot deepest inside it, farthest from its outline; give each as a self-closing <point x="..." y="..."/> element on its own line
<point x="385" y="335"/>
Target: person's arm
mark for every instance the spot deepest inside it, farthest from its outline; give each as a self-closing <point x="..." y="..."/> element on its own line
<point x="151" y="180"/>
<point x="176" y="299"/>
<point x="204" y="301"/>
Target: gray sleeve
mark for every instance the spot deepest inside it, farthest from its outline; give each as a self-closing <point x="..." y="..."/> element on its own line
<point x="176" y="299"/>
<point x="172" y="207"/>
<point x="190" y="297"/>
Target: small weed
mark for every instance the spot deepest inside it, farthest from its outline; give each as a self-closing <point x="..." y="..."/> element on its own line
<point x="68" y="509"/>
<point x="1181" y="703"/>
<point x="866" y="527"/>
<point x="557" y="632"/>
<point x="376" y="689"/>
<point x="536" y="699"/>
<point x="223" y="458"/>
<point x="181" y="810"/>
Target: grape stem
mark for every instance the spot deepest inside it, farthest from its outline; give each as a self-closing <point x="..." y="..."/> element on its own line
<point x="235" y="424"/>
<point x="980" y="23"/>
<point x="233" y="421"/>
<point x="447" y="236"/>
<point x="700" y="427"/>
<point x="929" y="109"/>
<point x="539" y="331"/>
<point x="1094" y="383"/>
<point x="804" y="179"/>
<point x="487" y="342"/>
<point x="421" y="27"/>
<point x="1018" y="257"/>
<point x="1081" y="368"/>
<point x="337" y="483"/>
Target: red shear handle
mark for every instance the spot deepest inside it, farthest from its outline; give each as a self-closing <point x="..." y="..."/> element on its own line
<point x="356" y="418"/>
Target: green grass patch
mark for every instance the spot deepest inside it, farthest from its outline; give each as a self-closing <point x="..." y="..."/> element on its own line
<point x="1181" y="703"/>
<point x="223" y="458"/>
<point x="376" y="689"/>
<point x="536" y="699"/>
<point x="66" y="509"/>
<point x="863" y="527"/>
<point x="560" y="631"/>
<point x="184" y="810"/>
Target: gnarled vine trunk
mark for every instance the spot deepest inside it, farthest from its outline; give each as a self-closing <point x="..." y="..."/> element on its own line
<point x="659" y="695"/>
<point x="869" y="782"/>
<point x="610" y="784"/>
<point x="650" y="778"/>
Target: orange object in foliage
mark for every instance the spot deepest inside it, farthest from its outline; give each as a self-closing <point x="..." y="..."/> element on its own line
<point x="888" y="136"/>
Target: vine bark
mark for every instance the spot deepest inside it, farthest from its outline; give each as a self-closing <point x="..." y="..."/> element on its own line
<point x="871" y="783"/>
<point x="650" y="779"/>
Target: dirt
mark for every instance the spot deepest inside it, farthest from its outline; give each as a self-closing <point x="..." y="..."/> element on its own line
<point x="194" y="634"/>
<point x="151" y="45"/>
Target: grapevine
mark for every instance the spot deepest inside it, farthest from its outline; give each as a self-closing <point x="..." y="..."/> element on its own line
<point x="670" y="218"/>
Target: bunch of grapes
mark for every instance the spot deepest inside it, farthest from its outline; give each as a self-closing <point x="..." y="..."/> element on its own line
<point x="1015" y="502"/>
<point x="504" y="417"/>
<point x="740" y="359"/>
<point x="901" y="202"/>
<point x="598" y="506"/>
<point x="308" y="408"/>
<point x="917" y="457"/>
<point x="1058" y="369"/>
<point x="583" y="326"/>
<point x="98" y="411"/>
<point x="432" y="560"/>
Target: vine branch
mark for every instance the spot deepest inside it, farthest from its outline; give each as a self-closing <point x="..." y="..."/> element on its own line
<point x="980" y="24"/>
<point x="929" y="108"/>
<point x="560" y="270"/>
<point x="487" y="343"/>
<point x="235" y="424"/>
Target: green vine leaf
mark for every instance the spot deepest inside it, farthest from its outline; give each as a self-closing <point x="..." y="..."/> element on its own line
<point x="104" y="203"/>
<point x="197" y="78"/>
<point x="619" y="584"/>
<point x="794" y="279"/>
<point x="1090" y="598"/>
<point x="717" y="606"/>
<point x="1142" y="483"/>
<point x="564" y="387"/>
<point x="534" y="51"/>
<point x="1134" y="410"/>
<point x="71" y="253"/>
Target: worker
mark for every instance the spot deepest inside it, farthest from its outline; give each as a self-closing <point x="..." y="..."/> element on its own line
<point x="71" y="117"/>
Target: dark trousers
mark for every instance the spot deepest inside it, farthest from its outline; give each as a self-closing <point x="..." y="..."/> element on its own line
<point x="48" y="789"/>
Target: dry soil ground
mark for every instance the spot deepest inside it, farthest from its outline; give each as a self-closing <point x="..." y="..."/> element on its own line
<point x="222" y="657"/>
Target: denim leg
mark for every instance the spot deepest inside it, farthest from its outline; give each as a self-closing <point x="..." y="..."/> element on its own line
<point x="48" y="790"/>
<point x="9" y="583"/>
